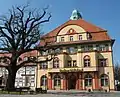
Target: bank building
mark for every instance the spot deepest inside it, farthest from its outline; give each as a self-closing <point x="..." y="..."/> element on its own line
<point x="84" y="60"/>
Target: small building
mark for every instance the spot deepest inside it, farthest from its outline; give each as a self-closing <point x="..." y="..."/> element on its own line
<point x="83" y="61"/>
<point x="25" y="76"/>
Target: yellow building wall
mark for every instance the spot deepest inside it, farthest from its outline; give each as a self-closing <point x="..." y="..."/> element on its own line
<point x="108" y="56"/>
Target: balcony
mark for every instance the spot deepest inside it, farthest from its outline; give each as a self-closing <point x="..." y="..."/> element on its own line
<point x="52" y="70"/>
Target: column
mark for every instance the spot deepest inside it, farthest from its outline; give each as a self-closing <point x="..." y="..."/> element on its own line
<point x="96" y="80"/>
<point x="64" y="84"/>
<point x="80" y="82"/>
<point x="50" y="82"/>
<point x="77" y="82"/>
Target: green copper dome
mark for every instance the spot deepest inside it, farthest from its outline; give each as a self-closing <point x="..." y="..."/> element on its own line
<point x="75" y="15"/>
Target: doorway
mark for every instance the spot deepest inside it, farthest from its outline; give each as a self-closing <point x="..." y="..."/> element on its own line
<point x="72" y="82"/>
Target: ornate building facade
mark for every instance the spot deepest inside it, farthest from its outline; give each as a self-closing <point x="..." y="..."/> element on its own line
<point x="83" y="61"/>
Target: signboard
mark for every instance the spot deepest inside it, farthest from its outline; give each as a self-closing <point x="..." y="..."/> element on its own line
<point x="71" y="70"/>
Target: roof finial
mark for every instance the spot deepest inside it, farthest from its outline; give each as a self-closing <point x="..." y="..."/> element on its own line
<point x="75" y="15"/>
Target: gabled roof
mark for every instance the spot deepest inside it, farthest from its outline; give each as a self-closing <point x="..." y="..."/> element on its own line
<point x="96" y="32"/>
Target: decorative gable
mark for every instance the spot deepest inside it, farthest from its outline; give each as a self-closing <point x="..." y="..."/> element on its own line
<point x="71" y="32"/>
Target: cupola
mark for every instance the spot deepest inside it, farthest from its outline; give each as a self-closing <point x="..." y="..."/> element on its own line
<point x="75" y="15"/>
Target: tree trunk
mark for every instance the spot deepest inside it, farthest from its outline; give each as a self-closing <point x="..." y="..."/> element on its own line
<point x="10" y="85"/>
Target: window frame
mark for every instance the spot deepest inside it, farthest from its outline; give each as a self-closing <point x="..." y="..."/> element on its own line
<point x="88" y="80"/>
<point x="56" y="62"/>
<point x="74" y="63"/>
<point x="62" y="39"/>
<point x="43" y="65"/>
<point x="72" y="50"/>
<point x="102" y="62"/>
<point x="43" y="80"/>
<point x="71" y="38"/>
<point x="87" y="61"/>
<point x="104" y="80"/>
<point x="80" y="37"/>
<point x="69" y="62"/>
<point x="57" y="80"/>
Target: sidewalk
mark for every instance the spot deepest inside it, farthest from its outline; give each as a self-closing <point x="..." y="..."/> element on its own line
<point x="66" y="91"/>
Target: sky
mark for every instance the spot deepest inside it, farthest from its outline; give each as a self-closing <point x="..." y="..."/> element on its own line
<point x="103" y="13"/>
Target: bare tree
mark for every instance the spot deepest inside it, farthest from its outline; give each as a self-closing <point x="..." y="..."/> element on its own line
<point x="117" y="72"/>
<point x="19" y="33"/>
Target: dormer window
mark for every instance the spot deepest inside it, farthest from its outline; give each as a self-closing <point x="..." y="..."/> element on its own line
<point x="71" y="38"/>
<point x="62" y="39"/>
<point x="80" y="37"/>
<point x="89" y="36"/>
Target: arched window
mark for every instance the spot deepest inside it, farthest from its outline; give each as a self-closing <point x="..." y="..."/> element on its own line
<point x="104" y="80"/>
<point x="55" y="62"/>
<point x="88" y="80"/>
<point x="86" y="61"/>
<point x="57" y="80"/>
<point x="43" y="80"/>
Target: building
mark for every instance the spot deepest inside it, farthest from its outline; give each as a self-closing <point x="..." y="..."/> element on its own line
<point x="84" y="57"/>
<point x="25" y="76"/>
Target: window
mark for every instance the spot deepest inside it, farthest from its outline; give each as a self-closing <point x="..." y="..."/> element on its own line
<point x="27" y="70"/>
<point x="82" y="48"/>
<point x="57" y="80"/>
<point x="71" y="38"/>
<point x="88" y="48"/>
<point x="104" y="80"/>
<point x="19" y="59"/>
<point x="88" y="80"/>
<point x="43" y="65"/>
<point x="107" y="47"/>
<point x="25" y="58"/>
<point x="86" y="61"/>
<point x="32" y="58"/>
<point x="72" y="50"/>
<point x="89" y="36"/>
<point x="102" y="62"/>
<point x="56" y="63"/>
<point x="74" y="63"/>
<point x="43" y="53"/>
<point x="103" y="47"/>
<point x="69" y="63"/>
<point x="58" y="50"/>
<point x="43" y="80"/>
<point x="97" y="47"/>
<point x="80" y="37"/>
<point x="32" y="81"/>
<point x="62" y="39"/>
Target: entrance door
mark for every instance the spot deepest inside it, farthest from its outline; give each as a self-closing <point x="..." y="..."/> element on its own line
<point x="72" y="82"/>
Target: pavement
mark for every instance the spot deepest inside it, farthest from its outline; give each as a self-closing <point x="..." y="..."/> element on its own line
<point x="69" y="93"/>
